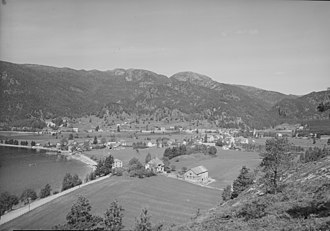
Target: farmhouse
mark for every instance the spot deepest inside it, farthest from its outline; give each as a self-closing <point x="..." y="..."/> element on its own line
<point x="155" y="165"/>
<point x="117" y="163"/>
<point x="197" y="174"/>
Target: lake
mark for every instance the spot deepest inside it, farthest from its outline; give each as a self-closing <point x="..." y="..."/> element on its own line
<point x="28" y="168"/>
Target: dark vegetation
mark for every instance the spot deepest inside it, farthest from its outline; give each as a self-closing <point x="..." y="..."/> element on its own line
<point x="7" y="201"/>
<point x="81" y="218"/>
<point x="137" y="169"/>
<point x="104" y="167"/>
<point x="70" y="181"/>
<point x="170" y="153"/>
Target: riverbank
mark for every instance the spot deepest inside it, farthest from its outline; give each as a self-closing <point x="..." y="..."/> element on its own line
<point x="35" y="204"/>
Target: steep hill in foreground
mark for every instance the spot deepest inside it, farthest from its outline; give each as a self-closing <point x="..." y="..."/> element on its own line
<point x="303" y="204"/>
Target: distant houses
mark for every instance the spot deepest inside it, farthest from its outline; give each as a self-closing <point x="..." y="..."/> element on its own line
<point x="155" y="165"/>
<point x="197" y="174"/>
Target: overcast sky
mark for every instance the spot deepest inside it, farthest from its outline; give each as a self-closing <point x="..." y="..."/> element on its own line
<point x="275" y="45"/>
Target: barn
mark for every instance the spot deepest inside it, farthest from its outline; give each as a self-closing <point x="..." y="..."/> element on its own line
<point x="197" y="174"/>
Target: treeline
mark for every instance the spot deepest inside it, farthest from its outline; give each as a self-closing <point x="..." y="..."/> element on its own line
<point x="8" y="201"/>
<point x="314" y="154"/>
<point x="250" y="147"/>
<point x="170" y="153"/>
<point x="16" y="142"/>
<point x="28" y="124"/>
<point x="139" y="145"/>
<point x="80" y="218"/>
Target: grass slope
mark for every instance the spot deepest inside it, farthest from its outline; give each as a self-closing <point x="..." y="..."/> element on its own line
<point x="168" y="200"/>
<point x="224" y="168"/>
<point x="302" y="205"/>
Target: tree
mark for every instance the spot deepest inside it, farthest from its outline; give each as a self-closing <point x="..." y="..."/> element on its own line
<point x="45" y="192"/>
<point x="143" y="223"/>
<point x="135" y="161"/>
<point x="33" y="143"/>
<point x="7" y="201"/>
<point x="71" y="136"/>
<point x="95" y="140"/>
<point x="276" y="160"/>
<point x="118" y="128"/>
<point x="104" y="168"/>
<point x="28" y="195"/>
<point x="97" y="128"/>
<point x="205" y="138"/>
<point x="148" y="158"/>
<point x="70" y="181"/>
<point x="80" y="216"/>
<point x="242" y="182"/>
<point x="212" y="151"/>
<point x="226" y="194"/>
<point x="113" y="217"/>
<point x="76" y="180"/>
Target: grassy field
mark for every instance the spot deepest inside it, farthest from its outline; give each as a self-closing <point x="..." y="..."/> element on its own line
<point x="224" y="168"/>
<point x="168" y="200"/>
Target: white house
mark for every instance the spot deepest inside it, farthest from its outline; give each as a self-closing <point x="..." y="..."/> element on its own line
<point x="155" y="165"/>
<point x="75" y="129"/>
<point x="197" y="174"/>
<point x="117" y="163"/>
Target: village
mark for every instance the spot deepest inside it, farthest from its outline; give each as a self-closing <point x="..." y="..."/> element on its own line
<point x="91" y="143"/>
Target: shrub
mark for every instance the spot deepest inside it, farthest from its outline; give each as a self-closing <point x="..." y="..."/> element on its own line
<point x="45" y="192"/>
<point x="254" y="209"/>
<point x="7" y="201"/>
<point x="28" y="195"/>
<point x="226" y="194"/>
<point x="212" y="151"/>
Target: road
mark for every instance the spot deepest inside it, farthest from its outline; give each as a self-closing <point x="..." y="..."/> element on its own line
<point x="35" y="204"/>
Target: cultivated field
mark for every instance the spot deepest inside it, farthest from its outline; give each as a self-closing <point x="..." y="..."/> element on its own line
<point x="168" y="200"/>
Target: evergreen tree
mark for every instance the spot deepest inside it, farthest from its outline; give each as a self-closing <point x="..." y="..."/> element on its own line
<point x="95" y="140"/>
<point x="226" y="194"/>
<point x="276" y="160"/>
<point x="148" y="158"/>
<point x="143" y="223"/>
<point x="80" y="216"/>
<point x="243" y="181"/>
<point x="113" y="217"/>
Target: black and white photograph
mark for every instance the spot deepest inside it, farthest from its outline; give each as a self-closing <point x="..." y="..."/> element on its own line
<point x="165" y="115"/>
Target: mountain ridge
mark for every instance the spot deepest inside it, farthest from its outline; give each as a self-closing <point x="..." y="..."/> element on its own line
<point x="30" y="90"/>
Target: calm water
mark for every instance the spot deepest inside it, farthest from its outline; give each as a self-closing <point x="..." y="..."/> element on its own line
<point x="26" y="168"/>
